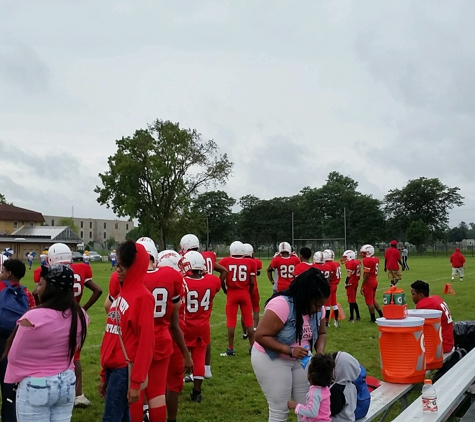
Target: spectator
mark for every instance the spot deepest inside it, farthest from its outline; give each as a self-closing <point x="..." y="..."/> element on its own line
<point x="404" y="253"/>
<point x="288" y="330"/>
<point x="458" y="264"/>
<point x="420" y="296"/>
<point x="392" y="260"/>
<point x="13" y="271"/>
<point x="45" y="372"/>
<point x="129" y="321"/>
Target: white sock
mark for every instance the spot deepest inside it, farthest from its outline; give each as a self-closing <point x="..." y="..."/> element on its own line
<point x="208" y="371"/>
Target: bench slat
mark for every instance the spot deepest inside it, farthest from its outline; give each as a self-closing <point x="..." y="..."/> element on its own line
<point x="450" y="389"/>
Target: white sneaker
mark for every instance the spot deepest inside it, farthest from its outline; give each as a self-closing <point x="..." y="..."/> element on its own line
<point x="208" y="372"/>
<point x="188" y="378"/>
<point x="336" y="324"/>
<point x="81" y="401"/>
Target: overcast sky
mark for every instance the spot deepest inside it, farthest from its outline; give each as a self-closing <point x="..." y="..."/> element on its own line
<point x="382" y="91"/>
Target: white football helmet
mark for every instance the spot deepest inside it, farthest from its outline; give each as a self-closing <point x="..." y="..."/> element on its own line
<point x="59" y="253"/>
<point x="150" y="247"/>
<point x="196" y="260"/>
<point x="248" y="250"/>
<point x="318" y="258"/>
<point x="171" y="259"/>
<point x="329" y="255"/>
<point x="366" y="251"/>
<point x="187" y="242"/>
<point x="348" y="255"/>
<point x="236" y="248"/>
<point x="285" y="247"/>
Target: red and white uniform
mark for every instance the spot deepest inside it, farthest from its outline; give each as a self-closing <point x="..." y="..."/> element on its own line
<point x="210" y="261"/>
<point x="285" y="266"/>
<point x="371" y="267"/>
<point x="353" y="270"/>
<point x="82" y="274"/>
<point x="334" y="277"/>
<point x="240" y="271"/>
<point x="301" y="267"/>
<point x="199" y="304"/>
<point x="255" y="296"/>
<point x="326" y="269"/>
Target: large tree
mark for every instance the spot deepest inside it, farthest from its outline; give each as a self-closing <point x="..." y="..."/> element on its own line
<point x="428" y="200"/>
<point x="69" y="222"/>
<point x="418" y="233"/>
<point x="155" y="174"/>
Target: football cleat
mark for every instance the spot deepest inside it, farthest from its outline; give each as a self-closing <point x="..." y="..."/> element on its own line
<point x="228" y="352"/>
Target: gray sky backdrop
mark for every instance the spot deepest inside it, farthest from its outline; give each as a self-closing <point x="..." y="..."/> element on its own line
<point x="382" y="91"/>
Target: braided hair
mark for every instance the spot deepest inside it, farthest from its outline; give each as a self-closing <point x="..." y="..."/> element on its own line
<point x="304" y="290"/>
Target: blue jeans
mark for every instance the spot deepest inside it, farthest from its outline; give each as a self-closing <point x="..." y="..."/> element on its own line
<point x="116" y="408"/>
<point x="46" y="399"/>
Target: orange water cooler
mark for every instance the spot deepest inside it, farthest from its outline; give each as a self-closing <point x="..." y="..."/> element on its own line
<point x="402" y="350"/>
<point x="432" y="336"/>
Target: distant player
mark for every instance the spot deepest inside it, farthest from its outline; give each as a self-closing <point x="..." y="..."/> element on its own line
<point x="285" y="263"/>
<point x="238" y="288"/>
<point x="113" y="257"/>
<point x="305" y="254"/>
<point x="29" y="257"/>
<point x="420" y="296"/>
<point x="44" y="257"/>
<point x="370" y="280"/>
<point x="353" y="274"/>
<point x="458" y="264"/>
<point x="334" y="280"/>
<point x="202" y="289"/>
<point x="255" y="296"/>
<point x="86" y="257"/>
<point x="392" y="261"/>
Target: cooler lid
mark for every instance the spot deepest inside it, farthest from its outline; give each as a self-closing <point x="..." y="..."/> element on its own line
<point x="424" y="313"/>
<point x="404" y="322"/>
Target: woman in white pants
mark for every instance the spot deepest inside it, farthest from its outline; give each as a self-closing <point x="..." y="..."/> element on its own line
<point x="289" y="328"/>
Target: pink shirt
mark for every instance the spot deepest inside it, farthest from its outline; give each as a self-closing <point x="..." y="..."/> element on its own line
<point x="280" y="307"/>
<point x="41" y="350"/>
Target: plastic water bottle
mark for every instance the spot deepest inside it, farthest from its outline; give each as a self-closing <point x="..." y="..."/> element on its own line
<point x="429" y="397"/>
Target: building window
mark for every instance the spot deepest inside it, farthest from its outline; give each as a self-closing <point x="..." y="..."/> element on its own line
<point x="126" y="227"/>
<point x="105" y="225"/>
<point x="52" y="222"/>
<point x="82" y="224"/>
<point x="90" y="224"/>
<point x="105" y="235"/>
<point x="15" y="224"/>
<point x="116" y="226"/>
<point x="82" y="234"/>
<point x="90" y="235"/>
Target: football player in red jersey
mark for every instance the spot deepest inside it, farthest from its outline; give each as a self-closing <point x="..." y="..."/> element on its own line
<point x="238" y="288"/>
<point x="255" y="297"/>
<point x="353" y="273"/>
<point x="59" y="253"/>
<point x="285" y="264"/>
<point x="304" y="254"/>
<point x="370" y="280"/>
<point x="334" y="281"/>
<point x="189" y="242"/>
<point x="202" y="289"/>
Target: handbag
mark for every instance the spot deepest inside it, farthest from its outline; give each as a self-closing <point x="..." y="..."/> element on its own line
<point x="130" y="364"/>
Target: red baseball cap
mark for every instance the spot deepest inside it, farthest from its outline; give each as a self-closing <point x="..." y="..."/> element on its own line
<point x="393" y="242"/>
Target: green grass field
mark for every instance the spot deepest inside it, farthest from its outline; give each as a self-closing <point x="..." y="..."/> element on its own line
<point x="233" y="392"/>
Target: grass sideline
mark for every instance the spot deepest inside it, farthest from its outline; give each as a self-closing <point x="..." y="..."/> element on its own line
<point x="233" y="392"/>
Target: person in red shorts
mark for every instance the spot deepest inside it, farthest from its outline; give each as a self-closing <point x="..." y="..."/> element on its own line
<point x="353" y="274"/>
<point x="334" y="280"/>
<point x="202" y="289"/>
<point x="370" y="280"/>
<point x="421" y="297"/>
<point x="238" y="288"/>
<point x="255" y="297"/>
<point x="392" y="261"/>
<point x="59" y="253"/>
<point x="304" y="254"/>
<point x="284" y="263"/>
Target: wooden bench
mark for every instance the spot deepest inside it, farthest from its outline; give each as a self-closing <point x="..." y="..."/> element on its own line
<point x="451" y="389"/>
<point x="384" y="397"/>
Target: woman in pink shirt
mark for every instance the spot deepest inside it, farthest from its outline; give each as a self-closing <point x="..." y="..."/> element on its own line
<point x="45" y="372"/>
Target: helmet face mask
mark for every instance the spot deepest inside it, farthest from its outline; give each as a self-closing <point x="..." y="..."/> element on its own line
<point x="188" y="242"/>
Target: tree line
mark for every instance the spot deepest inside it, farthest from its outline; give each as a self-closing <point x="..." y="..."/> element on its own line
<point x="167" y="178"/>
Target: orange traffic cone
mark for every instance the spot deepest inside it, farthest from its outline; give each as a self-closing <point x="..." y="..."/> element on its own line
<point x="448" y="289"/>
<point x="341" y="312"/>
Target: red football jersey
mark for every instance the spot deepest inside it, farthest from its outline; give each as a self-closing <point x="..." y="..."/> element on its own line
<point x="239" y="272"/>
<point x="165" y="284"/>
<point x="353" y="270"/>
<point x="392" y="257"/>
<point x="327" y="269"/>
<point x="82" y="274"/>
<point x="371" y="266"/>
<point x="335" y="275"/>
<point x="285" y="267"/>
<point x="301" y="267"/>
<point x="436" y="302"/>
<point x="210" y="261"/>
<point x="199" y="304"/>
